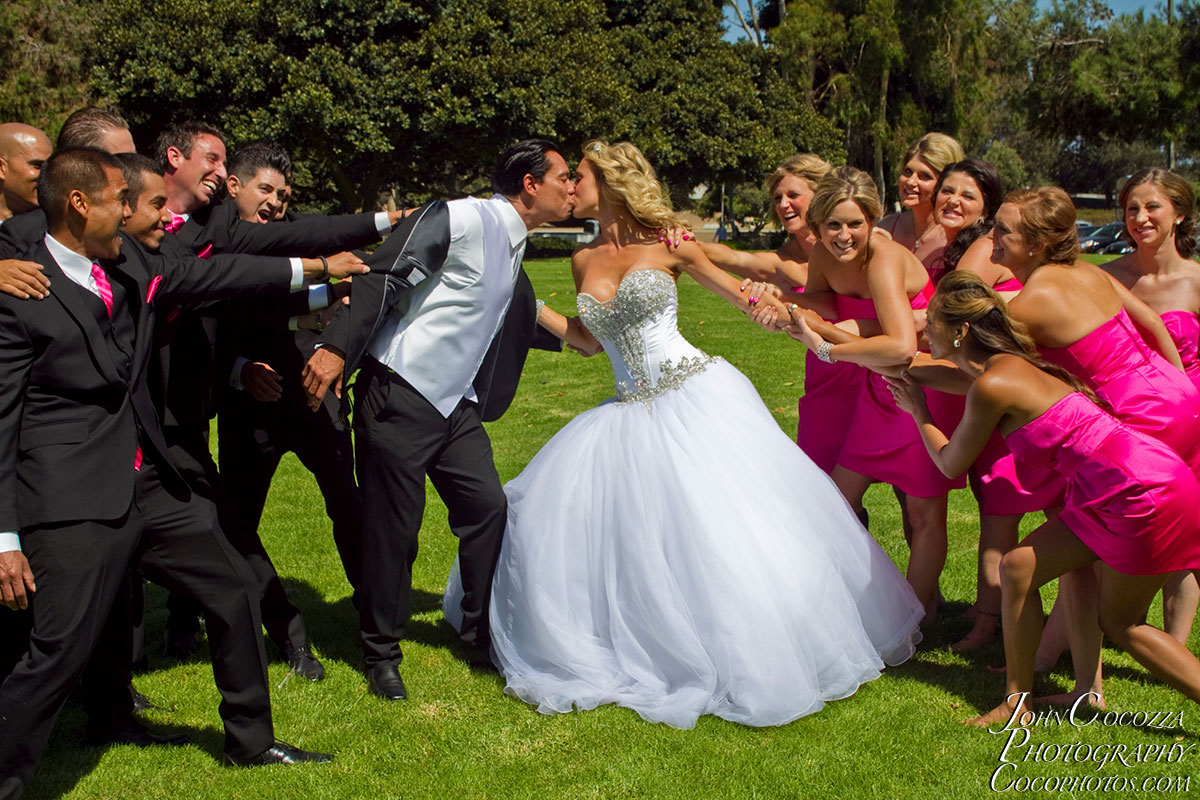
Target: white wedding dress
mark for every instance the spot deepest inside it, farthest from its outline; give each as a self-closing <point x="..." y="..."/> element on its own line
<point x="672" y="551"/>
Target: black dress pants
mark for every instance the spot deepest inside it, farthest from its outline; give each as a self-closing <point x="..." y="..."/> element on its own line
<point x="400" y="438"/>
<point x="283" y="621"/>
<point x="254" y="436"/>
<point x="79" y="568"/>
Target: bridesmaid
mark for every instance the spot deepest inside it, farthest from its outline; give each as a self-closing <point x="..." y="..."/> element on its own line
<point x="915" y="226"/>
<point x="1160" y="219"/>
<point x="967" y="196"/>
<point x="858" y="429"/>
<point x="791" y="187"/>
<point x="1131" y="503"/>
<point x="1106" y="340"/>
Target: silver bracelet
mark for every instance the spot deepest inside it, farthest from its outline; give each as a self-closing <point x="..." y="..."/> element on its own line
<point x="823" y="352"/>
<point x="537" y="312"/>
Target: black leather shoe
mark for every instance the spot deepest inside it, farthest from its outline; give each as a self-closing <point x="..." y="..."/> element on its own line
<point x="279" y="753"/>
<point x="141" y="702"/>
<point x="384" y="681"/>
<point x="479" y="657"/>
<point x="130" y="731"/>
<point x="304" y="663"/>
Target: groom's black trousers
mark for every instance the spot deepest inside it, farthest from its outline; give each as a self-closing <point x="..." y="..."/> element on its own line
<point x="399" y="439"/>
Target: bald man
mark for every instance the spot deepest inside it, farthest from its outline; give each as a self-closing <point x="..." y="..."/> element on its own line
<point x="23" y="148"/>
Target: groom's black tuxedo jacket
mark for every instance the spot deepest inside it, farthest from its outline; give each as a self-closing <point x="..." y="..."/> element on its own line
<point x="415" y="251"/>
<point x="74" y="401"/>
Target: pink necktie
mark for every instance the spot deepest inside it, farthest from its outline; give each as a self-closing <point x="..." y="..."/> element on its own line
<point x="175" y="224"/>
<point x="103" y="287"/>
<point x="105" y="290"/>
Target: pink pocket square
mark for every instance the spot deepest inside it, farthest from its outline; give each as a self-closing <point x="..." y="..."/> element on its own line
<point x="153" y="288"/>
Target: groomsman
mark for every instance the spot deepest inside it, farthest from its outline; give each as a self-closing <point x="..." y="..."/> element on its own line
<point x="264" y="408"/>
<point x="429" y="331"/>
<point x="23" y="150"/>
<point x="86" y="485"/>
<point x="92" y="126"/>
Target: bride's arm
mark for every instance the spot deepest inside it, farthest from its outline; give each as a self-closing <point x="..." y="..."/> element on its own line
<point x="570" y="330"/>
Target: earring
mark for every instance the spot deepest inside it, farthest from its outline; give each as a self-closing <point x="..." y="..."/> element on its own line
<point x="957" y="342"/>
<point x="1031" y="254"/>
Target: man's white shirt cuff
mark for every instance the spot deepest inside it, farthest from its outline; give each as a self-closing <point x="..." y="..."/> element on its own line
<point x="297" y="273"/>
<point x="9" y="542"/>
<point x="382" y="224"/>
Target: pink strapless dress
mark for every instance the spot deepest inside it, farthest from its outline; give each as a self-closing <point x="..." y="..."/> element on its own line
<point x="1143" y="389"/>
<point x="881" y="440"/>
<point x="1129" y="497"/>
<point x="1184" y="327"/>
<point x="1005" y="485"/>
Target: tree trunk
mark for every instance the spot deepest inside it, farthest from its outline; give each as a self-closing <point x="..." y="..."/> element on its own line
<point x="880" y="129"/>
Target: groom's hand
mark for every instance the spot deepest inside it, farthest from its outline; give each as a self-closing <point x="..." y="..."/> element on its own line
<point x="323" y="370"/>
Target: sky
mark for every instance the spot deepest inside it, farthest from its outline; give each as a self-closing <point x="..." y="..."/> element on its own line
<point x="1118" y="7"/>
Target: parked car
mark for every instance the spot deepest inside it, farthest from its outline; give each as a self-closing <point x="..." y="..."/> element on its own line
<point x="1102" y="237"/>
<point x="1085" y="229"/>
<point x="1119" y="247"/>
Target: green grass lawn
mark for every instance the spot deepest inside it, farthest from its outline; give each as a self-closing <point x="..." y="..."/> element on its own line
<point x="460" y="736"/>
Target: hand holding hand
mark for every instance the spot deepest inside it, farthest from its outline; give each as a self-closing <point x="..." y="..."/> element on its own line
<point x="801" y="331"/>
<point x="323" y="370"/>
<point x="23" y="279"/>
<point x="261" y="382"/>
<point x="15" y="579"/>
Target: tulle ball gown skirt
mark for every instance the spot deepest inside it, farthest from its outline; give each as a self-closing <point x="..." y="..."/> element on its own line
<point x="680" y="556"/>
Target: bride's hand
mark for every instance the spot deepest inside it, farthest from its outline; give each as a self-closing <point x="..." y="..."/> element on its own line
<point x="766" y="315"/>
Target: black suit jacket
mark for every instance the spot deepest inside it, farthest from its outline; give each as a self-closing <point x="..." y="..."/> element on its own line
<point x="218" y="226"/>
<point x="22" y="233"/>
<point x="71" y="417"/>
<point x="415" y="251"/>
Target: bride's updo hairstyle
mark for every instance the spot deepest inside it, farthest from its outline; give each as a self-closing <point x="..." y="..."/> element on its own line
<point x="627" y="179"/>
<point x="1183" y="200"/>
<point x="963" y="297"/>
<point x="838" y="186"/>
<point x="1048" y="218"/>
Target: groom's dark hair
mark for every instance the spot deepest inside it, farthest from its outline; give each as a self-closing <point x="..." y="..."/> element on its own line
<point x="527" y="157"/>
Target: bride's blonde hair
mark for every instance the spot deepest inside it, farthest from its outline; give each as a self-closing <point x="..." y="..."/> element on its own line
<point x="626" y="178"/>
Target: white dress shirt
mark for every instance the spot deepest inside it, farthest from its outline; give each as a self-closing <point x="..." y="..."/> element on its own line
<point x="438" y="333"/>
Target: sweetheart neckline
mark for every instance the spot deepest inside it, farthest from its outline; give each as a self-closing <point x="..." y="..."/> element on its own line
<point x="621" y="283"/>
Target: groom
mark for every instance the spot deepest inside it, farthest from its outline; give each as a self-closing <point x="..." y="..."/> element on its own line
<point x="436" y="329"/>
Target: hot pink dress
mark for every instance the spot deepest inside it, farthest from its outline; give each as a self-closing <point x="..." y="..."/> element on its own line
<point x="1005" y="485"/>
<point x="1144" y="390"/>
<point x="881" y="441"/>
<point x="1129" y="497"/>
<point x="1184" y="327"/>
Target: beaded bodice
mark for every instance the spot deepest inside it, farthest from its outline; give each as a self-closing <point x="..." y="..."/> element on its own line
<point x="637" y="327"/>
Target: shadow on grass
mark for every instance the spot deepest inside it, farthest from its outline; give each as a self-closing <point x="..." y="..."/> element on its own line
<point x="333" y="626"/>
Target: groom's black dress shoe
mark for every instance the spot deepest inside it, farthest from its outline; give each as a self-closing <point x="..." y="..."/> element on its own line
<point x="129" y="731"/>
<point x="279" y="753"/>
<point x="304" y="663"/>
<point x="384" y="681"/>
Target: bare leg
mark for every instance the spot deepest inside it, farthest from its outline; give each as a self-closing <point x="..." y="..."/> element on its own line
<point x="1180" y="597"/>
<point x="1123" y="603"/>
<point x="1077" y="593"/>
<point x="852" y="485"/>
<point x="928" y="515"/>
<point x="1048" y="552"/>
<point x="902" y="499"/>
<point x="997" y="535"/>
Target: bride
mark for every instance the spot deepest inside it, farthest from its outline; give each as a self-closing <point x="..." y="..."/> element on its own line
<point x="637" y="567"/>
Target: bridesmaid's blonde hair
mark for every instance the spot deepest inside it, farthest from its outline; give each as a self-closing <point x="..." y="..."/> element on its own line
<point x="937" y="150"/>
<point x="626" y="178"/>
<point x="838" y="186"/>
<point x="805" y="166"/>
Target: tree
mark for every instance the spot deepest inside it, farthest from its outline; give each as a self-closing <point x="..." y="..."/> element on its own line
<point x="41" y="77"/>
